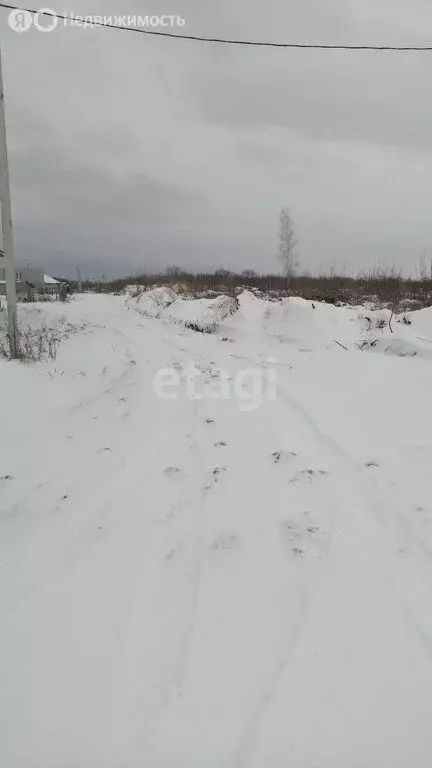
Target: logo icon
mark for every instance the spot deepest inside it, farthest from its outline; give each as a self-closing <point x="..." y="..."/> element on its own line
<point x="42" y="21"/>
<point x="20" y="21"/>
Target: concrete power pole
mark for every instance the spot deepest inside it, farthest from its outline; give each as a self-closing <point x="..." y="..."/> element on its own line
<point x="6" y="219"/>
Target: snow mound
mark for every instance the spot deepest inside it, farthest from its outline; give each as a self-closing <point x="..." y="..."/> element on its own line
<point x="199" y="314"/>
<point x="294" y="320"/>
<point x="180" y="288"/>
<point x="398" y="347"/>
<point x="253" y="311"/>
<point x="152" y="303"/>
<point x="203" y="315"/>
<point x="132" y="291"/>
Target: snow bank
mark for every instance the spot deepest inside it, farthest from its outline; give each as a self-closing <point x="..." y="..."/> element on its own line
<point x="200" y="314"/>
<point x="306" y="324"/>
<point x="132" y="291"/>
<point x="152" y="303"/>
<point x="398" y="347"/>
<point x="312" y="325"/>
<point x="294" y="321"/>
<point x="203" y="315"/>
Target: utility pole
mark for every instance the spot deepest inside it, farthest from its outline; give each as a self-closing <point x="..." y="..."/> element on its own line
<point x="6" y="219"/>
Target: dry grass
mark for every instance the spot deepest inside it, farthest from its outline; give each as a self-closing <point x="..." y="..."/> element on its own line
<point x="382" y="288"/>
<point x="34" y="345"/>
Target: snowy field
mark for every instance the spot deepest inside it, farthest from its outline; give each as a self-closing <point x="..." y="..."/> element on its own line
<point x="216" y="548"/>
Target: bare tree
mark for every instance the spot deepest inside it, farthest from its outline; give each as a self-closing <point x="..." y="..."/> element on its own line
<point x="249" y="276"/>
<point x="175" y="273"/>
<point x="394" y="281"/>
<point x="424" y="267"/>
<point x="287" y="244"/>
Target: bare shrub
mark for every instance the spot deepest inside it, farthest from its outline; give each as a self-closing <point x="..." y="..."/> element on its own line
<point x="33" y="344"/>
<point x="383" y="287"/>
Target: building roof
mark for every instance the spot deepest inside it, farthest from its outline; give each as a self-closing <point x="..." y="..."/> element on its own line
<point x="47" y="280"/>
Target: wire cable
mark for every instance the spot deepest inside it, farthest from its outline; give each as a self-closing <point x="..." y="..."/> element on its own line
<point x="225" y="41"/>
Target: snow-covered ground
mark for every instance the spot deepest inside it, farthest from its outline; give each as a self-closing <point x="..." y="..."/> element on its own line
<point x="236" y="579"/>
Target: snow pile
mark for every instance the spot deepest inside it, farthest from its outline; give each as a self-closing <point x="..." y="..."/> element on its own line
<point x="421" y="320"/>
<point x="152" y="303"/>
<point x="253" y="312"/>
<point x="398" y="347"/>
<point x="180" y="288"/>
<point x="132" y="291"/>
<point x="410" y="334"/>
<point x="203" y="315"/>
<point x="310" y="325"/>
<point x="294" y="321"/>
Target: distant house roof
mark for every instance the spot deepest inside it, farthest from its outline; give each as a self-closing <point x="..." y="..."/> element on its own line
<point x="48" y="280"/>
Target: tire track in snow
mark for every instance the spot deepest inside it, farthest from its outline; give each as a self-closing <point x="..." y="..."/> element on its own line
<point x="200" y="527"/>
<point x="414" y="613"/>
<point x="198" y="557"/>
<point x="419" y="616"/>
<point x="251" y="730"/>
<point x="87" y="518"/>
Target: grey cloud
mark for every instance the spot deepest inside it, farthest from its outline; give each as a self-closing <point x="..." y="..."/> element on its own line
<point x="342" y="98"/>
<point x="129" y="152"/>
<point x="77" y="209"/>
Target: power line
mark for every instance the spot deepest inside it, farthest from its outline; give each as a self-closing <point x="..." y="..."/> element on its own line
<point x="253" y="43"/>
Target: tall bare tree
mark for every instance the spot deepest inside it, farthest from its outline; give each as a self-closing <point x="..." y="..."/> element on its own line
<point x="424" y="267"/>
<point x="287" y="244"/>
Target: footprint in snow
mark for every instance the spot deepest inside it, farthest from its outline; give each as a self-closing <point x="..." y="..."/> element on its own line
<point x="302" y="537"/>
<point x="172" y="553"/>
<point x="291" y="530"/>
<point x="224" y="542"/>
<point x="308" y="476"/>
<point x="214" y="475"/>
<point x="298" y="552"/>
<point x="279" y="456"/>
<point x="173" y="472"/>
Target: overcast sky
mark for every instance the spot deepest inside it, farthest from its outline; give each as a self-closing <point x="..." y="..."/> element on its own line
<point x="130" y="153"/>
